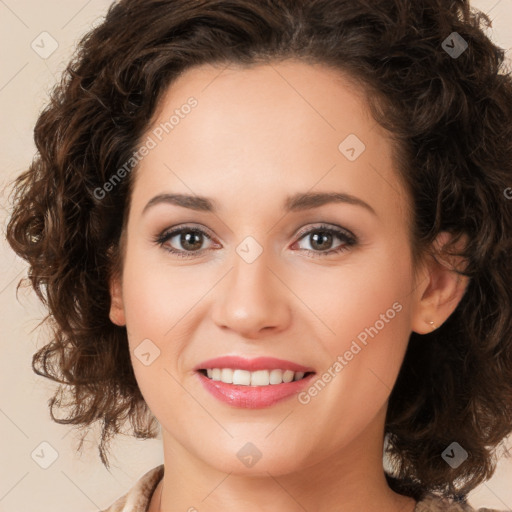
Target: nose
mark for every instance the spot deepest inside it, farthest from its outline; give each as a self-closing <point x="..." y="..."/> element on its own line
<point x="252" y="300"/>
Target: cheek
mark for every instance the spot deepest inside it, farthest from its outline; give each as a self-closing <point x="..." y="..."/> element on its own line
<point x="152" y="310"/>
<point x="156" y="297"/>
<point x="365" y="313"/>
<point x="371" y="313"/>
<point x="364" y="300"/>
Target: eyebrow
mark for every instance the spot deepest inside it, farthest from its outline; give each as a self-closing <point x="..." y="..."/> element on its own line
<point x="294" y="203"/>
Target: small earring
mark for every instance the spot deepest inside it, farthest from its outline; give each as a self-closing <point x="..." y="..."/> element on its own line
<point x="434" y="327"/>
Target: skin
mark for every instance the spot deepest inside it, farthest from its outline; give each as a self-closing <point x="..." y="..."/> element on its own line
<point x="256" y="136"/>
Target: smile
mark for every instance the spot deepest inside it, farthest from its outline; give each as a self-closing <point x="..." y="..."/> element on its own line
<point x="252" y="383"/>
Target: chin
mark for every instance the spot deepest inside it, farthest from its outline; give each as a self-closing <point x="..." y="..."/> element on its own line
<point x="274" y="464"/>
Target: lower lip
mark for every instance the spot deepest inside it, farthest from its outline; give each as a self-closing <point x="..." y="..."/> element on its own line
<point x="253" y="397"/>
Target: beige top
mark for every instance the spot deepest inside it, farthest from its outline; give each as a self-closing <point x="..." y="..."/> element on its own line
<point x="138" y="498"/>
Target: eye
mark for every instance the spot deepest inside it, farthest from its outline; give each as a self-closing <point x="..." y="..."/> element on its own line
<point x="190" y="238"/>
<point x="321" y="239"/>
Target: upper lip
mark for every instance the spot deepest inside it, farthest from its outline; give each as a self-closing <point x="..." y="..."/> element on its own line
<point x="254" y="364"/>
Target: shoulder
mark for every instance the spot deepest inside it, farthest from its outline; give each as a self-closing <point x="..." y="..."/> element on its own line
<point x="138" y="497"/>
<point x="432" y="503"/>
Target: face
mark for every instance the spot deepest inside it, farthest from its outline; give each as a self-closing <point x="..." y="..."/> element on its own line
<point x="261" y="276"/>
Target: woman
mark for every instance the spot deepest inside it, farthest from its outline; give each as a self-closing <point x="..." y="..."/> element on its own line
<point x="281" y="230"/>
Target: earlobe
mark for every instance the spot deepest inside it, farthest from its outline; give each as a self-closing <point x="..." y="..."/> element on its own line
<point x="443" y="287"/>
<point x="116" y="313"/>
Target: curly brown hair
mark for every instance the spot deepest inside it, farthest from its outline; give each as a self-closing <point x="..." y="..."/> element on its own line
<point x="451" y="121"/>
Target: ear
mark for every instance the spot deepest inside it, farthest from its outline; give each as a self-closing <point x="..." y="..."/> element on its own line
<point x="116" y="314"/>
<point x="440" y="288"/>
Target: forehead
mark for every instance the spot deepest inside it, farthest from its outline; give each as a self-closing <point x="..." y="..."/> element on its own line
<point x="266" y="131"/>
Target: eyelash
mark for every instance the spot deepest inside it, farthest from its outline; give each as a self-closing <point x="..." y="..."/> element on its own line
<point x="348" y="238"/>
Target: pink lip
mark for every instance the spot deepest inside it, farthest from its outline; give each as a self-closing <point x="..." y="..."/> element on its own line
<point x="258" y="363"/>
<point x="252" y="397"/>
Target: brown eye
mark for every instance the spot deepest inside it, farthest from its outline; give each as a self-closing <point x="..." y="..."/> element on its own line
<point x="183" y="240"/>
<point x="191" y="240"/>
<point x="321" y="240"/>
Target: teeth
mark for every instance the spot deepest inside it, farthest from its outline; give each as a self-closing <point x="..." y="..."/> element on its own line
<point x="241" y="377"/>
<point x="260" y="378"/>
<point x="226" y="375"/>
<point x="288" y="376"/>
<point x="256" y="378"/>
<point x="276" y="376"/>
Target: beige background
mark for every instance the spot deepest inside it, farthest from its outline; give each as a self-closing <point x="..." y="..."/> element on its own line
<point x="73" y="482"/>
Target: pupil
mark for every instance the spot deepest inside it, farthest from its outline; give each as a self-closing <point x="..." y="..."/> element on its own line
<point x="186" y="240"/>
<point x="322" y="234"/>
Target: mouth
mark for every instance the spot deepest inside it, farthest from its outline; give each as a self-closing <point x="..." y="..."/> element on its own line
<point x="252" y="383"/>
